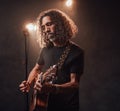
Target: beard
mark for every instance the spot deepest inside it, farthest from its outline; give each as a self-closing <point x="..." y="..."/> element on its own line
<point x="55" y="36"/>
<point x="51" y="37"/>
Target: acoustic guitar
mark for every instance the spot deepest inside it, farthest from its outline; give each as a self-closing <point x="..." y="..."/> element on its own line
<point x="40" y="100"/>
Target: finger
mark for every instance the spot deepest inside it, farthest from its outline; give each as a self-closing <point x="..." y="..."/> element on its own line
<point x="38" y="81"/>
<point x="23" y="88"/>
<point x="37" y="88"/>
<point x="38" y="76"/>
<point x="23" y="91"/>
<point x="38" y="85"/>
<point x="22" y="84"/>
<point x="27" y="90"/>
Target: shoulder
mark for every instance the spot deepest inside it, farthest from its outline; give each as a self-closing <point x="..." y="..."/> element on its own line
<point x="76" y="48"/>
<point x="44" y="49"/>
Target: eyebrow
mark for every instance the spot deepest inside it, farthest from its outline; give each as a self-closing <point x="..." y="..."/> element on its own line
<point x="42" y="26"/>
<point x="48" y="23"/>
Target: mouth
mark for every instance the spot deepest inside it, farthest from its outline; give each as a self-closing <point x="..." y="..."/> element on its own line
<point x="51" y="36"/>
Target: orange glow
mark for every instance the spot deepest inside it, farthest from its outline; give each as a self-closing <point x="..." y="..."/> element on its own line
<point x="69" y="3"/>
<point x="31" y="27"/>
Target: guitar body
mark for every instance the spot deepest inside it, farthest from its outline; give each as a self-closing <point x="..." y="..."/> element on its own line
<point x="40" y="100"/>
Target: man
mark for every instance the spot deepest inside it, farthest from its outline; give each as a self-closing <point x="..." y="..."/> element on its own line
<point x="55" y="30"/>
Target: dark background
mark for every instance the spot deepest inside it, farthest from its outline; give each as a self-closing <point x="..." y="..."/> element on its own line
<point x="98" y="23"/>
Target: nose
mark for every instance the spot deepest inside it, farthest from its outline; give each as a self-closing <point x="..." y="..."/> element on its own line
<point x="47" y="29"/>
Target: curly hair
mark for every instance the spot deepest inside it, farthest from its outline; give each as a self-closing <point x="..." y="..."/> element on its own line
<point x="64" y="26"/>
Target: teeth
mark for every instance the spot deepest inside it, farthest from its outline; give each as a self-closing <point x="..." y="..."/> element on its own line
<point x="52" y="39"/>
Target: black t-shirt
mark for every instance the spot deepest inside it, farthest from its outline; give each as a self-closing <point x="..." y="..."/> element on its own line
<point x="72" y="64"/>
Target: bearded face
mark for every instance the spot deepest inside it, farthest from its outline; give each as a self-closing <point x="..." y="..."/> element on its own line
<point x="52" y="32"/>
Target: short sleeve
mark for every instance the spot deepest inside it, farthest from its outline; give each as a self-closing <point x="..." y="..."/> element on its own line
<point x="77" y="65"/>
<point x="40" y="59"/>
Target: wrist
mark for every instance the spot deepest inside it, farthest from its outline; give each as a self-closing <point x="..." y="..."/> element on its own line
<point x="28" y="84"/>
<point x="56" y="88"/>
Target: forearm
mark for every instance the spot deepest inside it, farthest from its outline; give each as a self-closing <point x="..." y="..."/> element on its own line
<point x="33" y="74"/>
<point x="70" y="86"/>
<point x="67" y="87"/>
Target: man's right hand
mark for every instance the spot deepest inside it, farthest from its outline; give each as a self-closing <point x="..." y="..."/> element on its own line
<point x="24" y="86"/>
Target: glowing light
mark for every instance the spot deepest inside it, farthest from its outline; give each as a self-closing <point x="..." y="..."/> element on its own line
<point x="69" y="3"/>
<point x="31" y="27"/>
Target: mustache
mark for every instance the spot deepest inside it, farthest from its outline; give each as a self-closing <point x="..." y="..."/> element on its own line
<point x="48" y="33"/>
<point x="48" y="36"/>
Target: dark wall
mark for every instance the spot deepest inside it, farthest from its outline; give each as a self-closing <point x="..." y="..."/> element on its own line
<point x="98" y="23"/>
<point x="100" y="84"/>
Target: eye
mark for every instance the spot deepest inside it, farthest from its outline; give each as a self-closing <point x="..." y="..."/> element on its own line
<point x="43" y="27"/>
<point x="49" y="24"/>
